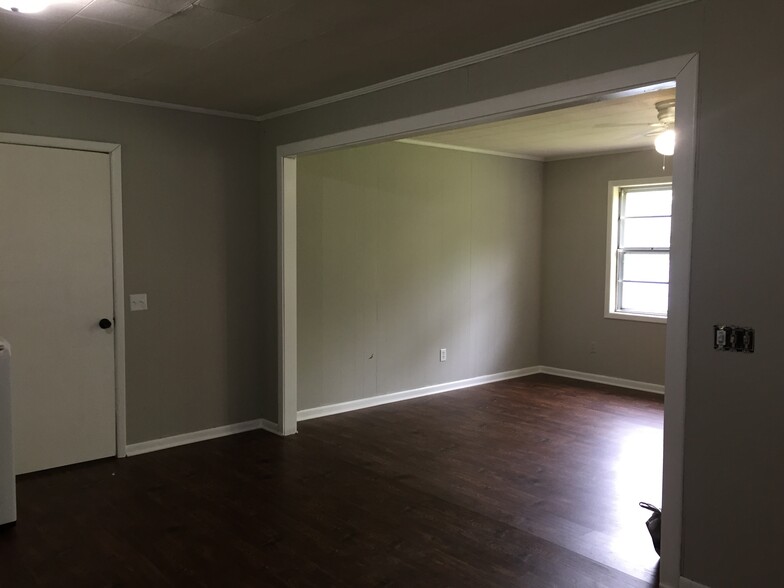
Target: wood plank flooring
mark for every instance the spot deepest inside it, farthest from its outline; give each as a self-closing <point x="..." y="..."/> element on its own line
<point x="532" y="482"/>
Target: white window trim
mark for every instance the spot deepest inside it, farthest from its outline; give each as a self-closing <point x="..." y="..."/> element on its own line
<point x="610" y="289"/>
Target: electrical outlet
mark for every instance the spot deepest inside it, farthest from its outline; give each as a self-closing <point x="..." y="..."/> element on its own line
<point x="592" y="348"/>
<point x="443" y="354"/>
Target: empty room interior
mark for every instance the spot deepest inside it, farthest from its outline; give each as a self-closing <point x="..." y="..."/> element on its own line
<point x="338" y="293"/>
<point x="476" y="259"/>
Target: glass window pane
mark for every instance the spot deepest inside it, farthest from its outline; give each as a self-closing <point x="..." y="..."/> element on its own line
<point x="645" y="232"/>
<point x="648" y="203"/>
<point x="646" y="267"/>
<point x="644" y="298"/>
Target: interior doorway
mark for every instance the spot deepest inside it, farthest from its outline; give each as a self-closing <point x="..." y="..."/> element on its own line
<point x="61" y="307"/>
<point x="617" y="84"/>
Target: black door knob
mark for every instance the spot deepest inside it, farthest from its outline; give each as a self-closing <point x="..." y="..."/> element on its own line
<point x="105" y="323"/>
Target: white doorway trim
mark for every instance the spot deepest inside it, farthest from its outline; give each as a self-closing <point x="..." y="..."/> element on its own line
<point x="114" y="152"/>
<point x="287" y="296"/>
<point x="683" y="71"/>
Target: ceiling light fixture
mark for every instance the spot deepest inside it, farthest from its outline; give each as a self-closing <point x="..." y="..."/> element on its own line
<point x="665" y="140"/>
<point x="27" y="6"/>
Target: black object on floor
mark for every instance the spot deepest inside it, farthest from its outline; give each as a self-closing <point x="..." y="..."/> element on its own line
<point x="654" y="525"/>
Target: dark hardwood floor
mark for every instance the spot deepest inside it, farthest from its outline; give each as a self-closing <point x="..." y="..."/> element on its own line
<point x="530" y="482"/>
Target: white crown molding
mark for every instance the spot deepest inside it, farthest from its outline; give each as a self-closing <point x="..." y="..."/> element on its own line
<point x="126" y="99"/>
<point x="521" y="156"/>
<point x="469" y="149"/>
<point x="599" y="153"/>
<point x="572" y="31"/>
<point x="578" y="29"/>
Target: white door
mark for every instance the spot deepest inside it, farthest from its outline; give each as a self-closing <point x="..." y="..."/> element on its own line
<point x="55" y="287"/>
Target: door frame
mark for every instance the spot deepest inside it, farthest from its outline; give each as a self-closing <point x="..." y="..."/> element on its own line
<point x="115" y="173"/>
<point x="683" y="70"/>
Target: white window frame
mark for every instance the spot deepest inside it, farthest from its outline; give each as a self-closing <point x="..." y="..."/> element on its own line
<point x="615" y="189"/>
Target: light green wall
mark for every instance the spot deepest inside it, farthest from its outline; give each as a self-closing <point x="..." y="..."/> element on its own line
<point x="403" y="250"/>
<point x="573" y="273"/>
<point x="191" y="222"/>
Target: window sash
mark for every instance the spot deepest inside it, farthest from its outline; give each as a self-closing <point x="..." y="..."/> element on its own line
<point x="621" y="251"/>
<point x="623" y="192"/>
<point x="620" y="264"/>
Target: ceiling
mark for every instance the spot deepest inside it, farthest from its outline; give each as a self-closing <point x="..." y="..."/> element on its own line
<point x="613" y="125"/>
<point x="259" y="56"/>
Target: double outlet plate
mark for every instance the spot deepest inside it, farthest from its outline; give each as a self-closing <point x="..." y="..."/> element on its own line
<point x="732" y="338"/>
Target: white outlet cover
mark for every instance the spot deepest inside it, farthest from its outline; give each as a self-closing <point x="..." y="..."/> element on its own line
<point x="138" y="302"/>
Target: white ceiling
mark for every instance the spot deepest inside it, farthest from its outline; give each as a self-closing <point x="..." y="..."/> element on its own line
<point x="258" y="56"/>
<point x="601" y="127"/>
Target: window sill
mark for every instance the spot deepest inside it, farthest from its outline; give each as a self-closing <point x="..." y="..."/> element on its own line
<point x="642" y="318"/>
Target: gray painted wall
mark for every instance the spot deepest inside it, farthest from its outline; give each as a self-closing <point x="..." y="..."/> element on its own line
<point x="733" y="525"/>
<point x="191" y="223"/>
<point x="573" y="273"/>
<point x="403" y="250"/>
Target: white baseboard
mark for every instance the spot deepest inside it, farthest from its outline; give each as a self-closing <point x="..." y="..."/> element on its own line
<point x="330" y="409"/>
<point x="270" y="427"/>
<point x="686" y="583"/>
<point x="609" y="380"/>
<point x="196" y="436"/>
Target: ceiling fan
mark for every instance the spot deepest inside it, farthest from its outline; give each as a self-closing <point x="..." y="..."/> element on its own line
<point x="663" y="130"/>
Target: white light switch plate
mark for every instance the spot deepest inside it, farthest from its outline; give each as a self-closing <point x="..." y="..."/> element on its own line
<point x="138" y="302"/>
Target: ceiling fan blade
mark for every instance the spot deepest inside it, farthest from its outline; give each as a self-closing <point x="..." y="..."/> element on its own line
<point x="619" y="125"/>
<point x="655" y="125"/>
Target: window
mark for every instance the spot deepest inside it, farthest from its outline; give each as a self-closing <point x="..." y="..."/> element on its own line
<point x="638" y="249"/>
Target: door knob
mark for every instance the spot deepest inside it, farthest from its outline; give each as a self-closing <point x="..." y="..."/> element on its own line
<point x="105" y="323"/>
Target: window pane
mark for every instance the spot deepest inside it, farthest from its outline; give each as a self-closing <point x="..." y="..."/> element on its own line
<point x="648" y="203"/>
<point x="644" y="298"/>
<point x="646" y="267"/>
<point x="645" y="232"/>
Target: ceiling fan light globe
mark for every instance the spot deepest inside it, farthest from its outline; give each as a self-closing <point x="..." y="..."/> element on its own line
<point x="665" y="143"/>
